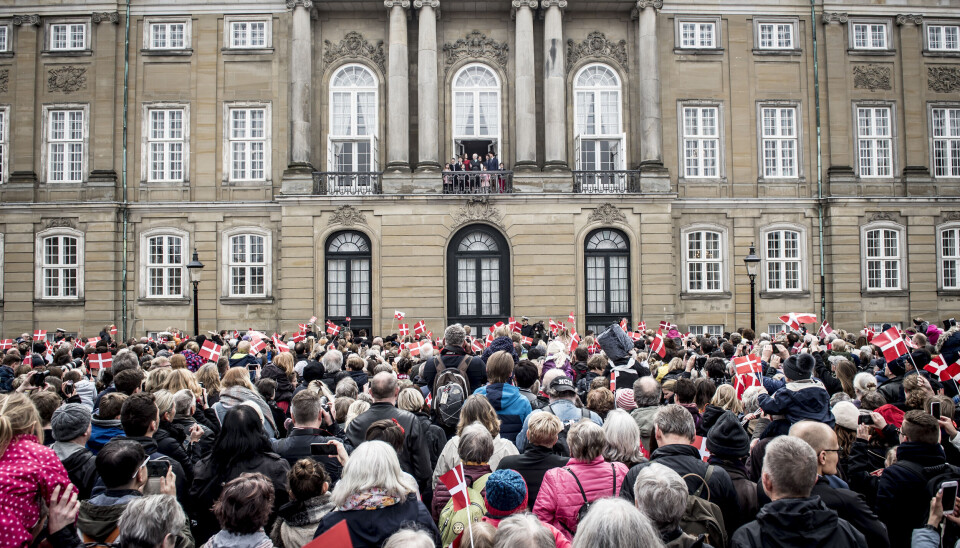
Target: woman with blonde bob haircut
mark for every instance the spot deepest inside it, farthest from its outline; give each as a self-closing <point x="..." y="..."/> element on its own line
<point x="726" y="398"/>
<point x="476" y="409"/>
<point x="376" y="498"/>
<point x="623" y="439"/>
<point x="182" y="379"/>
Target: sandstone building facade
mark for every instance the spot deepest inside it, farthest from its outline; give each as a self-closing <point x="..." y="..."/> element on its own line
<point x="300" y="147"/>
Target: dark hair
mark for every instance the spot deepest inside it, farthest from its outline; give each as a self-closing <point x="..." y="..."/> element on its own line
<point x="305" y="407"/>
<point x="404" y="365"/>
<point x="244" y="504"/>
<point x="920" y="426"/>
<point x="685" y="391"/>
<point x="728" y="349"/>
<point x="267" y="388"/>
<point x="526" y="373"/>
<point x="118" y="461"/>
<point x="388" y="431"/>
<point x="241" y="437"/>
<point x="306" y="479"/>
<point x="46" y="403"/>
<point x="110" y="405"/>
<point x="580" y="354"/>
<point x="128" y="380"/>
<point x="137" y="413"/>
<point x="705" y="391"/>
<point x="716" y="368"/>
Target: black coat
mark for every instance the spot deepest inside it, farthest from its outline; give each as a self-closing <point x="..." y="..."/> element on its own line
<point x="902" y="499"/>
<point x="435" y="437"/>
<point x="852" y="507"/>
<point x="152" y="450"/>
<point x="82" y="468"/>
<point x="371" y="528"/>
<point x="296" y="446"/>
<point x="285" y="388"/>
<point x="801" y="523"/>
<point x="170" y="440"/>
<point x="533" y="465"/>
<point x="452" y="356"/>
<point x="415" y="458"/>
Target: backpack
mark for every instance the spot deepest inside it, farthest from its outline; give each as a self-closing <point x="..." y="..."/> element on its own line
<point x="446" y="376"/>
<point x="703" y="517"/>
<point x="453" y="523"/>
<point x="108" y="541"/>
<point x="585" y="507"/>
<point x="562" y="448"/>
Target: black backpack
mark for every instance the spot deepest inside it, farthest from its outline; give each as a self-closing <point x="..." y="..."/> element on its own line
<point x="562" y="448"/>
<point x="446" y="376"/>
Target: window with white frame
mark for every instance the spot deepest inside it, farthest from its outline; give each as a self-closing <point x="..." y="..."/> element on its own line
<point x="247" y="264"/>
<point x="66" y="139"/>
<point x="4" y="142"/>
<point x="883" y="256"/>
<point x="166" y="144"/>
<point x="5" y="38"/>
<point x="869" y="35"/>
<point x="779" y="142"/>
<point x="701" y="141"/>
<point x="945" y="128"/>
<point x="774" y="328"/>
<point x="875" y="141"/>
<point x="247" y="129"/>
<point x="599" y="128"/>
<point x="168" y="35"/>
<point x="782" y="255"/>
<point x="710" y="330"/>
<point x="950" y="257"/>
<point x="249" y="34"/>
<point x="704" y="258"/>
<point x="61" y="265"/>
<point x="476" y="109"/>
<point x="67" y="36"/>
<point x="877" y="327"/>
<point x="164" y="268"/>
<point x="943" y="37"/>
<point x="353" y="115"/>
<point x="698" y="34"/>
<point x="775" y="35"/>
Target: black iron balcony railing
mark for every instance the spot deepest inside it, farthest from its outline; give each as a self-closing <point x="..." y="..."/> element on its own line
<point x="347" y="183"/>
<point x="477" y="182"/>
<point x="606" y="182"/>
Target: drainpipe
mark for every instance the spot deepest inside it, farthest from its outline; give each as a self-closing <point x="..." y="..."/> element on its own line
<point x="124" y="211"/>
<point x="816" y="99"/>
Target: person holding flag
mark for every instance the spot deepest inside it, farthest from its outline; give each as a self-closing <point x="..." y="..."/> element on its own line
<point x="801" y="398"/>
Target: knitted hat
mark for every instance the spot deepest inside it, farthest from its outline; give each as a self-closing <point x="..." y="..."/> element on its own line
<point x="892" y="414"/>
<point x="898" y="366"/>
<point x="625" y="399"/>
<point x="846" y="414"/>
<point x="727" y="439"/>
<point x="505" y="494"/>
<point x="799" y="367"/>
<point x="313" y="372"/>
<point x="70" y="421"/>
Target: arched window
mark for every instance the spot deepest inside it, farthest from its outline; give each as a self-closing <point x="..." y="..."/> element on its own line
<point x="163" y="258"/>
<point x="348" y="279"/>
<point x="607" y="261"/>
<point x="60" y="264"/>
<point x="352" y="144"/>
<point x="478" y="277"/>
<point x="600" y="141"/>
<point x="247" y="263"/>
<point x="476" y="111"/>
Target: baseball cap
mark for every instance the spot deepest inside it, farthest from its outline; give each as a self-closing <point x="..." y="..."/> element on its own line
<point x="562" y="384"/>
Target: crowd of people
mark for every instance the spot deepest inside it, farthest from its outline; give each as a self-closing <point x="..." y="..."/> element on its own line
<point x="511" y="437"/>
<point x="470" y="174"/>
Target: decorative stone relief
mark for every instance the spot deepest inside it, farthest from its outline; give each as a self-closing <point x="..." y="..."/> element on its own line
<point x="401" y="3"/>
<point x="476" y="45"/>
<point x="26" y="20"/>
<point x="347" y="216"/>
<point x="835" y="17"/>
<point x="544" y="4"/>
<point x="607" y="213"/>
<point x="597" y="45"/>
<point x="60" y="222"/>
<point x="532" y="4"/>
<point x="105" y="17"/>
<point x="4" y="79"/>
<point x="655" y="4"/>
<point x="477" y="209"/>
<point x="294" y="3"/>
<point x="882" y="216"/>
<point x="67" y="79"/>
<point x="872" y="77"/>
<point x="950" y="216"/>
<point x="943" y="79"/>
<point x="905" y="18"/>
<point x="355" y="45"/>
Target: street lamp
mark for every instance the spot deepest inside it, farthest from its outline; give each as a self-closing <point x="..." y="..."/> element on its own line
<point x="753" y="263"/>
<point x="194" y="267"/>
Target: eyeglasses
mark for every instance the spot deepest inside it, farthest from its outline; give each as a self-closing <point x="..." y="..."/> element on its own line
<point x="837" y="450"/>
<point x="142" y="464"/>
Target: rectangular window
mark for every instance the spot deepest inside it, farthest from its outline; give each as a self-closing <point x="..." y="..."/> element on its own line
<point x="4" y="37"/>
<point x="248" y="143"/>
<point x="708" y="330"/>
<point x="68" y="36"/>
<point x="943" y="37"/>
<point x="701" y="142"/>
<point x="950" y="258"/>
<point x="165" y="266"/>
<point x="65" y="141"/>
<point x="248" y="34"/>
<point x="875" y="141"/>
<point x="698" y="34"/>
<point x="776" y="36"/>
<point x="946" y="142"/>
<point x="704" y="262"/>
<point x="168" y="35"/>
<point x="247" y="266"/>
<point x="869" y="36"/>
<point x="4" y="143"/>
<point x="883" y="259"/>
<point x="60" y="267"/>
<point x="783" y="260"/>
<point x="779" y="142"/>
<point x="165" y="144"/>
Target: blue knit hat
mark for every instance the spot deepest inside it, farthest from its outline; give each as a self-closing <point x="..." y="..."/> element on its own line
<point x="506" y="493"/>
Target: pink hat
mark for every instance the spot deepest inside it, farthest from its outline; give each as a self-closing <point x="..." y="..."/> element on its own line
<point x="625" y="399"/>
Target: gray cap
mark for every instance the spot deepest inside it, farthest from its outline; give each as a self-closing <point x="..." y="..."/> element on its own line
<point x="70" y="421"/>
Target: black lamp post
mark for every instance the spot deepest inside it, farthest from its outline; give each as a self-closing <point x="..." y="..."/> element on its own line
<point x="753" y="263"/>
<point x="195" y="267"/>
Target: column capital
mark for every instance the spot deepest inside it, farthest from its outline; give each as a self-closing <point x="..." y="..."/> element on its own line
<point x="906" y="18"/>
<point x="644" y="4"/>
<point x="20" y="20"/>
<point x="840" y="18"/>
<point x="291" y="4"/>
<point x="532" y="4"/>
<point x="98" y="17"/>
<point x="396" y="4"/>
<point x="562" y="4"/>
<point x="428" y="3"/>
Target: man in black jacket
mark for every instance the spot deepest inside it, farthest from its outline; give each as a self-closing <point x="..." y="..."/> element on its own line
<point x="415" y="458"/>
<point x="311" y="424"/>
<point x="71" y="428"/>
<point x="543" y="430"/>
<point x="848" y="504"/>
<point x="452" y="355"/>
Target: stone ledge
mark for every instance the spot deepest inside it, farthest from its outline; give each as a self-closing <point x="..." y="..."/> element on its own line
<point x="715" y="296"/>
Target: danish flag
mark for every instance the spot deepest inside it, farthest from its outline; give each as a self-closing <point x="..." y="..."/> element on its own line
<point x="623" y="324"/>
<point x="742" y="382"/>
<point x="93" y="340"/>
<point x="891" y="343"/>
<point x="476" y="346"/>
<point x="281" y="346"/>
<point x="303" y="327"/>
<point x="635" y="335"/>
<point x="414" y="349"/>
<point x="76" y="344"/>
<point x="419" y="327"/>
<point x="747" y="365"/>
<point x="658" y="345"/>
<point x="909" y="342"/>
<point x="511" y="322"/>
<point x="554" y="326"/>
<point x="868" y="333"/>
<point x="298" y="337"/>
<point x="825" y="330"/>
<point x="39" y="335"/>
<point x="574" y="341"/>
<point x="572" y="318"/>
<point x="113" y="330"/>
<point x="667" y="326"/>
<point x="257" y="345"/>
<point x="332" y="328"/>
<point x="517" y="328"/>
<point x="794" y="320"/>
<point x="943" y="371"/>
<point x="403" y="328"/>
<point x="429" y="400"/>
<point x="313" y="320"/>
<point x="489" y="339"/>
<point x="613" y="380"/>
<point x="210" y="351"/>
<point x="100" y="361"/>
<point x="456" y="484"/>
<point x="495" y="326"/>
<point x="397" y="315"/>
<point x="641" y="326"/>
<point x="6" y="344"/>
<point x="527" y="341"/>
<point x="700" y="442"/>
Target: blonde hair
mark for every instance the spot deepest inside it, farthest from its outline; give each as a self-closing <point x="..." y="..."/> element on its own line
<point x="284" y="360"/>
<point x="237" y="376"/>
<point x="156" y="379"/>
<point x="477" y="408"/>
<point x="356" y="409"/>
<point x="410" y="399"/>
<point x="543" y="428"/>
<point x="209" y="376"/>
<point x="726" y="398"/>
<point x="182" y="379"/>
<point x="178" y="361"/>
<point x="165" y="403"/>
<point x="499" y="367"/>
<point x="18" y="416"/>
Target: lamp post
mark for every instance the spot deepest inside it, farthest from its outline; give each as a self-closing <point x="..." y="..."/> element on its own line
<point x="753" y="263"/>
<point x="194" y="267"/>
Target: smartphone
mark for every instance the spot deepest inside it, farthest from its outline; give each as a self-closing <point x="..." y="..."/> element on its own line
<point x="865" y="419"/>
<point x="323" y="449"/>
<point x="935" y="409"/>
<point x="157" y="468"/>
<point x="949" y="490"/>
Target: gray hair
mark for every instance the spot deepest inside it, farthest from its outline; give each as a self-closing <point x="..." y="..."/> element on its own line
<point x="347" y="387"/>
<point x="373" y="465"/>
<point x="791" y="466"/>
<point x="409" y="538"/>
<point x="125" y="359"/>
<point x="476" y="444"/>
<point x="586" y="440"/>
<point x="146" y="521"/>
<point x="623" y="438"/>
<point x="676" y="420"/>
<point x="383" y="386"/>
<point x="184" y="400"/>
<point x="165" y="402"/>
<point x="749" y="399"/>
<point x="866" y="354"/>
<point x="333" y="361"/>
<point x="864" y="382"/>
<point x="661" y="494"/>
<point x="614" y="522"/>
<point x="454" y="335"/>
<point x="646" y="392"/>
<point x="523" y="529"/>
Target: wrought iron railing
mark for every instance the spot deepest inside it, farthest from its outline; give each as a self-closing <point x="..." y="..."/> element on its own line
<point x="606" y="182"/>
<point x="347" y="183"/>
<point x="477" y="182"/>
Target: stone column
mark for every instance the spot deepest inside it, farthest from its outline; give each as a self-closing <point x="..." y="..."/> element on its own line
<point x="651" y="120"/>
<point x="915" y="137"/>
<point x="398" y="105"/>
<point x="428" y="98"/>
<point x="298" y="178"/>
<point x="554" y="86"/>
<point x="525" y="128"/>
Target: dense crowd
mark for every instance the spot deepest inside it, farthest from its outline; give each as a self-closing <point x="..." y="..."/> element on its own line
<point x="517" y="436"/>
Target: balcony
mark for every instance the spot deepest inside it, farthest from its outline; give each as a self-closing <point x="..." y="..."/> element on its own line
<point x="478" y="182"/>
<point x="606" y="182"/>
<point x="347" y="183"/>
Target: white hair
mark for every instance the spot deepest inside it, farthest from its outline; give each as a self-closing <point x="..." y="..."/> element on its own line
<point x="332" y="361"/>
<point x="146" y="521"/>
<point x="864" y="382"/>
<point x="623" y="438"/>
<point x="523" y="529"/>
<point x="552" y="374"/>
<point x="661" y="494"/>
<point x="373" y="465"/>
<point x="749" y="399"/>
<point x="615" y="523"/>
<point x="409" y="538"/>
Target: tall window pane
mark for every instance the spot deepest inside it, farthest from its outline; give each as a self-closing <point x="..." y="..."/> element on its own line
<point x="478" y="276"/>
<point x="607" y="259"/>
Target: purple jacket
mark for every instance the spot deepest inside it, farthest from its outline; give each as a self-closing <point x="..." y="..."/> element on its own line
<point x="550" y="364"/>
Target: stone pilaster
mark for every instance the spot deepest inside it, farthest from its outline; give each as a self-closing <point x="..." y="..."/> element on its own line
<point x="840" y="174"/>
<point x="654" y="176"/>
<point x="427" y="87"/>
<point x="554" y="86"/>
<point x="915" y="170"/>
<point x="298" y="178"/>
<point x="398" y="96"/>
<point x="526" y="100"/>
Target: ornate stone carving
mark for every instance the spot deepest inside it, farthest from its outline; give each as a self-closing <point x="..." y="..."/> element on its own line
<point x="4" y="80"/>
<point x="882" y="216"/>
<point x="60" y="222"/>
<point x="532" y="4"/>
<point x="294" y="3"/>
<point x="835" y="17"/>
<point x="607" y="213"/>
<point x="597" y="45"/>
<point x="105" y="17"/>
<point x="905" y="18"/>
<point x="67" y="79"/>
<point x="544" y="4"/>
<point x="347" y="216"/>
<point x="872" y="77"/>
<point x="644" y="4"/>
<point x="950" y="216"/>
<point x="476" y="46"/>
<point x="392" y="3"/>
<point x="26" y="20"/>
<point x="477" y="209"/>
<point x="429" y="3"/>
<point x="355" y="45"/>
<point x="943" y="79"/>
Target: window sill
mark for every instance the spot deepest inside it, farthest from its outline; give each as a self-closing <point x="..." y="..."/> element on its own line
<point x="698" y="51"/>
<point x="186" y="52"/>
<point x="164" y="184"/>
<point x="784" y="294"/>
<point x="703" y="180"/>
<point x="884" y="293"/>
<point x="929" y="53"/>
<point x="56" y="303"/>
<point x="782" y="181"/>
<point x="948" y="292"/>
<point x="248" y="184"/>
<point x="777" y="52"/>
<point x="245" y="51"/>
<point x="717" y="295"/>
<point x="66" y="53"/>
<point x="872" y="52"/>
<point x="6" y="55"/>
<point x="176" y="301"/>
<point x="246" y="300"/>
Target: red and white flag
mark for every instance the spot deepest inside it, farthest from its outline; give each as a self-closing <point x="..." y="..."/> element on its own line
<point x="6" y="344"/>
<point x="868" y="333"/>
<point x="100" y="361"/>
<point x="641" y="326"/>
<point x="635" y="335"/>
<point x="944" y="372"/>
<point x="495" y="326"/>
<point x="794" y="320"/>
<point x="613" y="380"/>
<point x="517" y="328"/>
<point x="700" y="442"/>
<point x="623" y="324"/>
<point x="891" y="343"/>
<point x="280" y="345"/>
<point x="476" y="346"/>
<point x="77" y="343"/>
<point x="456" y="483"/>
<point x="403" y="329"/>
<point x="572" y="318"/>
<point x="742" y="382"/>
<point x="93" y="340"/>
<point x="313" y="320"/>
<point x="397" y="315"/>
<point x="825" y="330"/>
<point x="747" y="365"/>
<point x="554" y="326"/>
<point x="658" y="345"/>
<point x="429" y="400"/>
<point x="413" y="348"/>
<point x="298" y="337"/>
<point x="210" y="351"/>
<point x="419" y="327"/>
<point x="39" y="335"/>
<point x="113" y="330"/>
<point x="303" y="327"/>
<point x="574" y="341"/>
<point x="257" y="345"/>
<point x="489" y="339"/>
<point x="332" y="328"/>
<point x="511" y="322"/>
<point x="910" y="344"/>
<point x="528" y="341"/>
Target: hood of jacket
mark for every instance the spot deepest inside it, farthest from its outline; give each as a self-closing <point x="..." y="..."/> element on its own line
<point x="505" y="398"/>
<point x="615" y="343"/>
<point x="66" y="451"/>
<point x="99" y="520"/>
<point x="797" y="522"/>
<point x="244" y="360"/>
<point x="105" y="423"/>
<point x="948" y="345"/>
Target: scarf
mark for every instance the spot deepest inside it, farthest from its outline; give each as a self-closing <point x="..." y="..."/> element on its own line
<point x="235" y="395"/>
<point x="374" y="499"/>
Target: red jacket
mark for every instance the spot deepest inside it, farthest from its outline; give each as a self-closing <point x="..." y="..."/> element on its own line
<point x="29" y="472"/>
<point x="441" y="495"/>
<point x="559" y="498"/>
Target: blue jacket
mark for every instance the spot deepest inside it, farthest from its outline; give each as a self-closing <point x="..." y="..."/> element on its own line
<point x="511" y="406"/>
<point x="798" y="401"/>
<point x="101" y="432"/>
